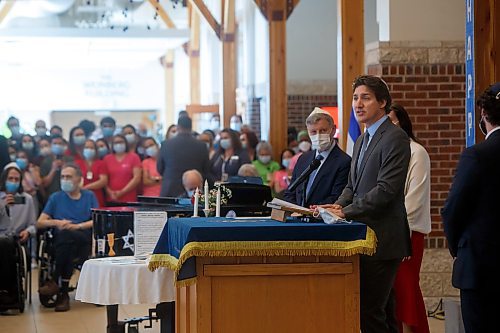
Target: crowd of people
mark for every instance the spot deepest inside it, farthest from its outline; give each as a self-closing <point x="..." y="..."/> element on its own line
<point x="385" y="185"/>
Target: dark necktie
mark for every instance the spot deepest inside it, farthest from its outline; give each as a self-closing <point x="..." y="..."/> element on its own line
<point x="313" y="175"/>
<point x="366" y="139"/>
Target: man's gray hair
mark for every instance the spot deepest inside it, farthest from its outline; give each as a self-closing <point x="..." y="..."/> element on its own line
<point x="192" y="171"/>
<point x="264" y="145"/>
<point x="248" y="170"/>
<point x="74" y="166"/>
<point x="313" y="119"/>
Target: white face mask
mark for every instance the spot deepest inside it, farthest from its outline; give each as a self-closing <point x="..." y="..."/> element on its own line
<point x="265" y="159"/>
<point x="321" y="142"/>
<point x="304" y="146"/>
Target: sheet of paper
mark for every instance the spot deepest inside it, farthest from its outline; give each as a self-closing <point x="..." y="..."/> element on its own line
<point x="148" y="226"/>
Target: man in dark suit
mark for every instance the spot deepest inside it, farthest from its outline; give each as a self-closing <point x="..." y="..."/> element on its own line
<point x="178" y="154"/>
<point x="374" y="195"/>
<point x="327" y="182"/>
<point x="471" y="221"/>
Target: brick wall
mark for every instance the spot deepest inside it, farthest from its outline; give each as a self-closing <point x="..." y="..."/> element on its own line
<point x="300" y="106"/>
<point x="434" y="96"/>
<point x="252" y="116"/>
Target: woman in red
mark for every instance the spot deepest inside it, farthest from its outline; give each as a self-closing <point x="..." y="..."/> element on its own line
<point x="124" y="170"/>
<point x="94" y="171"/>
<point x="76" y="143"/>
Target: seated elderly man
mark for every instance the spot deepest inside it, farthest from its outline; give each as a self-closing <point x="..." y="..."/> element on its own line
<point x="326" y="183"/>
<point x="69" y="213"/>
<point x="191" y="179"/>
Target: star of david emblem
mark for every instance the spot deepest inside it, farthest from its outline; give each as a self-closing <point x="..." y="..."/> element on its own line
<point x="126" y="240"/>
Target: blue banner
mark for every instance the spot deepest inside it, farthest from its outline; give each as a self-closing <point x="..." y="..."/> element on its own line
<point x="470" y="129"/>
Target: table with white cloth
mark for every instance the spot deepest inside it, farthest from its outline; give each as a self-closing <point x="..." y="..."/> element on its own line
<point x="126" y="280"/>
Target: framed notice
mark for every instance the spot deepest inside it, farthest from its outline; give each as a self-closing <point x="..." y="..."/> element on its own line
<point x="148" y="226"/>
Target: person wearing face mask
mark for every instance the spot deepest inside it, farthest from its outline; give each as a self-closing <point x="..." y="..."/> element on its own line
<point x="40" y="130"/>
<point x="94" y="171"/>
<point x="229" y="158"/>
<point x="208" y="138"/>
<point x="325" y="184"/>
<point x="124" y="172"/>
<point x="43" y="151"/>
<point x="236" y="122"/>
<point x="179" y="154"/>
<point x="108" y="127"/>
<point x="470" y="218"/>
<point x="215" y="123"/>
<point x="32" y="180"/>
<point x="77" y="140"/>
<point x="102" y="148"/>
<point x="304" y="145"/>
<point x="15" y="130"/>
<point x="191" y="180"/>
<point x="151" y="178"/>
<point x="29" y="146"/>
<point x="264" y="164"/>
<point x="69" y="213"/>
<point x="21" y="207"/>
<point x="281" y="178"/>
<point x="130" y="134"/>
<point x="171" y="132"/>
<point x="50" y="169"/>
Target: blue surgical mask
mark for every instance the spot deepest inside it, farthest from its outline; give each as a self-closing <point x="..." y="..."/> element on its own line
<point x="119" y="148"/>
<point x="152" y="151"/>
<point x="130" y="138"/>
<point x="22" y="163"/>
<point x="15" y="130"/>
<point x="79" y="140"/>
<point x="285" y="162"/>
<point x="57" y="149"/>
<point x="88" y="153"/>
<point x="140" y="150"/>
<point x="108" y="131"/>
<point x="264" y="159"/>
<point x="11" y="187"/>
<point x="190" y="193"/>
<point x="103" y="151"/>
<point x="41" y="131"/>
<point x="12" y="157"/>
<point x="27" y="145"/>
<point x="235" y="126"/>
<point x="225" y="143"/>
<point x="244" y="145"/>
<point x="67" y="186"/>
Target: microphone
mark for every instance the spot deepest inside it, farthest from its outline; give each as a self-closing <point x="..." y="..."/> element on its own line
<point x="303" y="176"/>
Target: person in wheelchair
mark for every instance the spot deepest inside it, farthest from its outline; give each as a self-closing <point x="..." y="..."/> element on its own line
<point x="68" y="212"/>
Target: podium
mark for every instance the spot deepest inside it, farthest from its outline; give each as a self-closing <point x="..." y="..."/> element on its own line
<point x="295" y="283"/>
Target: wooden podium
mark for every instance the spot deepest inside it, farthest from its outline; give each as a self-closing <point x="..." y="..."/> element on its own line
<point x="271" y="295"/>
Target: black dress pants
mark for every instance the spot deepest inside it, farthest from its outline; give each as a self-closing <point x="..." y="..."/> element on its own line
<point x="480" y="310"/>
<point x="377" y="302"/>
<point x="70" y="245"/>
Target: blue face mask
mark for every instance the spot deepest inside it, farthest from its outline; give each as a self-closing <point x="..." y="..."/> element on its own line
<point x="57" y="149"/>
<point x="67" y="186"/>
<point x="22" y="163"/>
<point x="27" y="145"/>
<point x="119" y="148"/>
<point x="88" y="153"/>
<point x="103" y="151"/>
<point x="11" y="187"/>
<point x="108" y="131"/>
<point x="79" y="140"/>
<point x="225" y="143"/>
<point x="190" y="193"/>
<point x="151" y="151"/>
<point x="15" y="130"/>
<point x="285" y="162"/>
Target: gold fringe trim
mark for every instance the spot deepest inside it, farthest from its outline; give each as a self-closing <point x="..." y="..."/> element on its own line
<point x="263" y="248"/>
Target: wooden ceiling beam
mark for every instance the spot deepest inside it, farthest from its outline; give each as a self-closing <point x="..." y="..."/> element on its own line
<point x="6" y="10"/>
<point x="205" y="12"/>
<point x="163" y="13"/>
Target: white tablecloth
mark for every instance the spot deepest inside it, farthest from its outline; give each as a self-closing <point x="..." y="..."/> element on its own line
<point x="124" y="280"/>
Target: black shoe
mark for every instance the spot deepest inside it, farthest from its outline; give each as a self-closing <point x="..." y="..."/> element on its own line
<point x="62" y="302"/>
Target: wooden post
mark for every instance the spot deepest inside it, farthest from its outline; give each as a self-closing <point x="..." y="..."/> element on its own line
<point x="194" y="57"/>
<point x="277" y="12"/>
<point x="228" y="61"/>
<point x="168" y="65"/>
<point x="351" y="54"/>
<point x="486" y="49"/>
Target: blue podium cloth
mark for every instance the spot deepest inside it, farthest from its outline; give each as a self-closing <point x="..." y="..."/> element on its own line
<point x="182" y="239"/>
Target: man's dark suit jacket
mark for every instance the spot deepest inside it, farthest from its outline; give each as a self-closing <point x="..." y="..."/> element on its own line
<point x="472" y="219"/>
<point x="376" y="196"/>
<point x="177" y="155"/>
<point x="329" y="181"/>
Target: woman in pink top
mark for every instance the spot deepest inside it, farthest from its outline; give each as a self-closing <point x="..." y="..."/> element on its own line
<point x="94" y="171"/>
<point x="150" y="176"/>
<point x="281" y="178"/>
<point x="124" y="170"/>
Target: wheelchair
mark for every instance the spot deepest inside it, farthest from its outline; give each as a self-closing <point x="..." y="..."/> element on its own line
<point x="47" y="265"/>
<point x="14" y="296"/>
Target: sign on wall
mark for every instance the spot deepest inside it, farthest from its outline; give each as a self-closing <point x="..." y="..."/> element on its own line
<point x="470" y="130"/>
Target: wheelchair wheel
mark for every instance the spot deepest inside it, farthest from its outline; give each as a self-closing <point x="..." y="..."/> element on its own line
<point x="44" y="273"/>
<point x="47" y="301"/>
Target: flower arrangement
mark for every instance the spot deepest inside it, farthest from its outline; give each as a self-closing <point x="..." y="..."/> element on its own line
<point x="225" y="195"/>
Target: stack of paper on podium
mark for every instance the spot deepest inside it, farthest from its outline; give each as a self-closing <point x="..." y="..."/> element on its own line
<point x="281" y="209"/>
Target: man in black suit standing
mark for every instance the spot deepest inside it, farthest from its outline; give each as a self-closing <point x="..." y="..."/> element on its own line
<point x="325" y="184"/>
<point x="374" y="195"/>
<point x="178" y="154"/>
<point x="472" y="224"/>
